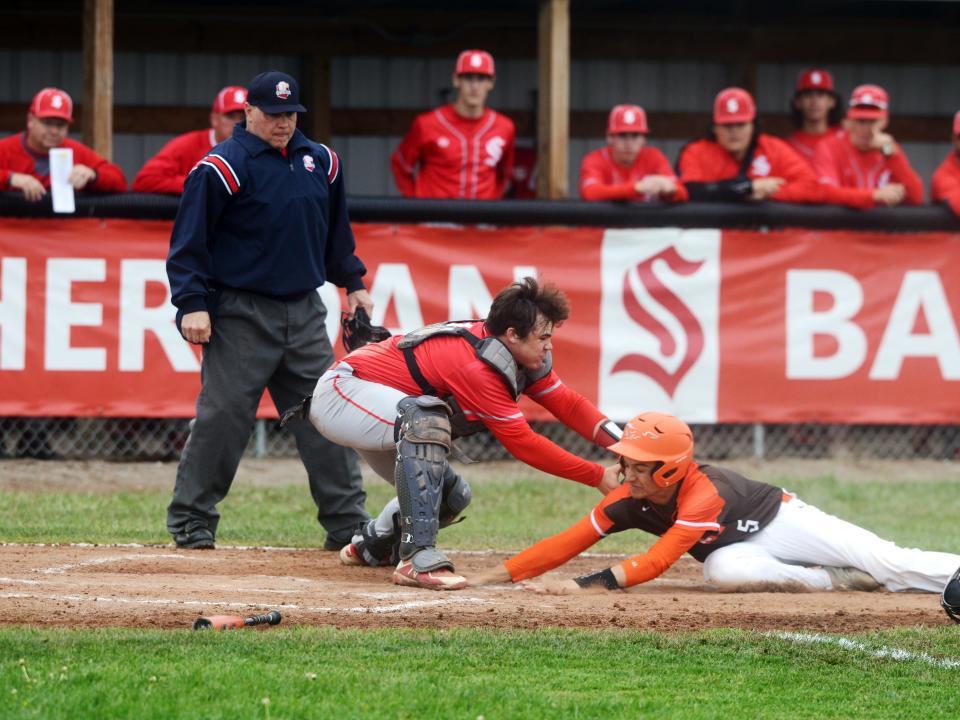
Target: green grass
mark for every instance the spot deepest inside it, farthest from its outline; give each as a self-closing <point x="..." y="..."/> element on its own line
<point x="512" y="508"/>
<point x="327" y="673"/>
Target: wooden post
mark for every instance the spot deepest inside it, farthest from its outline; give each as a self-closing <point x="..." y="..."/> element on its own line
<point x="98" y="76"/>
<point x="318" y="74"/>
<point x="553" y="104"/>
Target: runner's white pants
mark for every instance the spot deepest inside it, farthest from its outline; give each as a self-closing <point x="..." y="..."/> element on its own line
<point x="802" y="535"/>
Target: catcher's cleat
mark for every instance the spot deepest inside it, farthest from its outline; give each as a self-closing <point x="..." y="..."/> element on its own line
<point x="350" y="556"/>
<point x="441" y="579"/>
<point x="849" y="578"/>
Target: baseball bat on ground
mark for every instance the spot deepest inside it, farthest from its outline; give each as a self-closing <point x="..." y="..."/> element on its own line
<point x="235" y="622"/>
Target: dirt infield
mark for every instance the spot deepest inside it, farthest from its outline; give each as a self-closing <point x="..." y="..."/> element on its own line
<point x="163" y="587"/>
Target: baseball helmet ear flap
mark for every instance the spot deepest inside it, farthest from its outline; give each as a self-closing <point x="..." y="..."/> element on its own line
<point x="658" y="438"/>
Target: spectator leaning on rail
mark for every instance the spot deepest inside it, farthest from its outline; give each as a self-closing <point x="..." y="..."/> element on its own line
<point x="749" y="535"/>
<point x="166" y="171"/>
<point x="627" y="168"/>
<point x="25" y="159"/>
<point x="864" y="166"/>
<point x="463" y="150"/>
<point x="739" y="163"/>
<point x="946" y="180"/>
<point x="815" y="110"/>
<point x="262" y="223"/>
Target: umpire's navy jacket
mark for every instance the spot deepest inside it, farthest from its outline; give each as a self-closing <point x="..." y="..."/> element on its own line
<point x="252" y="219"/>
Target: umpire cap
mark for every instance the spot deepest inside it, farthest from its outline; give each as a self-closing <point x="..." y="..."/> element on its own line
<point x="275" y="92"/>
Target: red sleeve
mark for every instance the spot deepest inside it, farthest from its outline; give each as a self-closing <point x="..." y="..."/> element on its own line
<point x="110" y="178"/>
<point x="554" y="551"/>
<point x="505" y="166"/>
<point x="692" y="165"/>
<point x="661" y="166"/>
<point x="826" y="168"/>
<point x="482" y="396"/>
<point x="946" y="184"/>
<point x="405" y="159"/>
<point x="902" y="172"/>
<point x="593" y="181"/>
<point x="166" y="171"/>
<point x="801" y="184"/>
<point x="8" y="160"/>
<point x="567" y="405"/>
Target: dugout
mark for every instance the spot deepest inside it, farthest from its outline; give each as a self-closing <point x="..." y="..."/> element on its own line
<point x="369" y="66"/>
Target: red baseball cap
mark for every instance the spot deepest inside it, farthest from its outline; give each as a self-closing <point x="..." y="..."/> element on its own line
<point x="956" y="124"/>
<point x="733" y="105"/>
<point x="475" y="62"/>
<point x="868" y="102"/>
<point x="230" y="99"/>
<point x="52" y="103"/>
<point x="627" y="119"/>
<point x="815" y="79"/>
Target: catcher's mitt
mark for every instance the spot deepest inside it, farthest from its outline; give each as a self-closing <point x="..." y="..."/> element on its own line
<point x="358" y="331"/>
<point x="950" y="597"/>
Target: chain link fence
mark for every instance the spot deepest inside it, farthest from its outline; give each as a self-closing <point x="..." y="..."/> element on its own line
<point x="150" y="439"/>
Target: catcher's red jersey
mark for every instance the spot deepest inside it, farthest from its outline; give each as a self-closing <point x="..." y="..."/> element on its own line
<point x="706" y="161"/>
<point x="602" y="178"/>
<point x="166" y="171"/>
<point x="712" y="507"/>
<point x="852" y="175"/>
<point x="946" y="182"/>
<point x="445" y="155"/>
<point x="452" y="367"/>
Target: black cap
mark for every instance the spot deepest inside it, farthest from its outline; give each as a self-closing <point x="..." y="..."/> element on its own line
<point x="275" y="92"/>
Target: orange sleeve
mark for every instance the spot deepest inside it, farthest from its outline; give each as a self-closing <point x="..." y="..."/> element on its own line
<point x="404" y="160"/>
<point x="558" y="549"/>
<point x="664" y="553"/>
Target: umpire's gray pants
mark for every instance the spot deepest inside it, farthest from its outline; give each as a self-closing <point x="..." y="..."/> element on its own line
<point x="257" y="343"/>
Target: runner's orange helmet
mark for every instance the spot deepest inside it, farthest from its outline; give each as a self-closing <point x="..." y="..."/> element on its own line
<point x="661" y="438"/>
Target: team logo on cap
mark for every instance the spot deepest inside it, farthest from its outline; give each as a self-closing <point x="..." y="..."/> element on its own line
<point x="239" y="96"/>
<point x="283" y="90"/>
<point x="630" y="117"/>
<point x="732" y="105"/>
<point x="816" y="78"/>
<point x="308" y="163"/>
<point x="57" y="101"/>
<point x="476" y="61"/>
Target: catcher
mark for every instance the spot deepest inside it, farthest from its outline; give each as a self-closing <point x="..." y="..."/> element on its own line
<point x="748" y="535"/>
<point x="400" y="402"/>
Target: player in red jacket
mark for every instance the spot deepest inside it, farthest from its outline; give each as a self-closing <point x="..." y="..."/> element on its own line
<point x="739" y="164"/>
<point x="398" y="403"/>
<point x="463" y="150"/>
<point x="25" y="157"/>
<point x="864" y="166"/>
<point x="747" y="534"/>
<point x="628" y="169"/>
<point x="946" y="180"/>
<point x="166" y="171"/>
<point x="815" y="110"/>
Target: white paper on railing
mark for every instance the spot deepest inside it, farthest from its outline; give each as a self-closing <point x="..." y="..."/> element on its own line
<point x="61" y="165"/>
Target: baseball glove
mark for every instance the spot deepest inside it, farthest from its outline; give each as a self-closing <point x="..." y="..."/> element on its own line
<point x="358" y="331"/>
<point x="950" y="598"/>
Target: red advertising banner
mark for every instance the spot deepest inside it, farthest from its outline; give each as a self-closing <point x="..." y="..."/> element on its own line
<point x="715" y="326"/>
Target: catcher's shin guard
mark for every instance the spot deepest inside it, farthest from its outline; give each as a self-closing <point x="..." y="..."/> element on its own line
<point x="423" y="430"/>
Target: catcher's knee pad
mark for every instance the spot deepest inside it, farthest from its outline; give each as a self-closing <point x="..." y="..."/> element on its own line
<point x="456" y="497"/>
<point x="423" y="441"/>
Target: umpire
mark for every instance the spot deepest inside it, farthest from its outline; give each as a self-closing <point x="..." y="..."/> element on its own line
<point x="262" y="223"/>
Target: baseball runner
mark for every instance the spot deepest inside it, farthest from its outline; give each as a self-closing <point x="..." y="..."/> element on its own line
<point x="627" y="168"/>
<point x="462" y="150"/>
<point x="748" y="535"/>
<point x="400" y="402"/>
<point x="167" y="171"/>
<point x="946" y="180"/>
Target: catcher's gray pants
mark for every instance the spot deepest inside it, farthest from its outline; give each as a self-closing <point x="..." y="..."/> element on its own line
<point x="802" y="535"/>
<point x="257" y="343"/>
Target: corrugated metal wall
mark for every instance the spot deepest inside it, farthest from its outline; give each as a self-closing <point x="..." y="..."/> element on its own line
<point x="371" y="82"/>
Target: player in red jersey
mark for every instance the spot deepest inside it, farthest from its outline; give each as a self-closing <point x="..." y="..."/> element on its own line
<point x="25" y="157"/>
<point x="815" y="110"/>
<point x="865" y="167"/>
<point x="463" y="150"/>
<point x="628" y="169"/>
<point x="946" y="179"/>
<point x="748" y="535"/>
<point x="738" y="163"/>
<point x="398" y="403"/>
<point x="166" y="171"/>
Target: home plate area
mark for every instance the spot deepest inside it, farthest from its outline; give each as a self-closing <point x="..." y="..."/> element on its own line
<point x="163" y="587"/>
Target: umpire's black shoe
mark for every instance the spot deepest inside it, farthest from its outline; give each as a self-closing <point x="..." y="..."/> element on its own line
<point x="334" y="545"/>
<point x="199" y="538"/>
